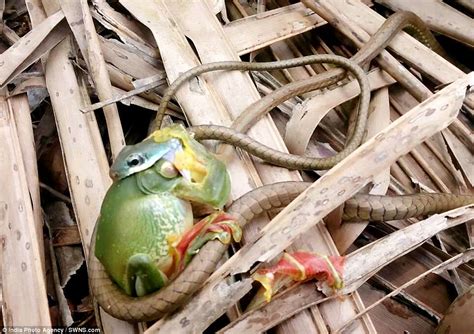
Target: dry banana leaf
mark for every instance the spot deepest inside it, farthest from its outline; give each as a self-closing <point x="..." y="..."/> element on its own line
<point x="439" y="16"/>
<point x="22" y="272"/>
<point x="31" y="47"/>
<point x="80" y="21"/>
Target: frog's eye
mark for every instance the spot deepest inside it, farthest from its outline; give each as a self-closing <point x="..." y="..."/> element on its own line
<point x="135" y="160"/>
<point x="168" y="170"/>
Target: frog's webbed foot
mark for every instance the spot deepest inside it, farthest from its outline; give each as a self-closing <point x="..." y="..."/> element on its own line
<point x="297" y="267"/>
<point x="143" y="276"/>
<point x="218" y="225"/>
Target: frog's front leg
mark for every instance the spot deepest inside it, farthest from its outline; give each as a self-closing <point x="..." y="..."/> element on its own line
<point x="143" y="276"/>
<point x="218" y="225"/>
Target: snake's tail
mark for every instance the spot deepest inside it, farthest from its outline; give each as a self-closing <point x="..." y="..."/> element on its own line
<point x="384" y="208"/>
<point x="358" y="208"/>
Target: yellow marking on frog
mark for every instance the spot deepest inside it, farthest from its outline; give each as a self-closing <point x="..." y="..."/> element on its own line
<point x="165" y="134"/>
<point x="186" y="159"/>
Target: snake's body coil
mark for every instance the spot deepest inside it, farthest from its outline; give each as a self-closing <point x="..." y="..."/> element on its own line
<point x="277" y="195"/>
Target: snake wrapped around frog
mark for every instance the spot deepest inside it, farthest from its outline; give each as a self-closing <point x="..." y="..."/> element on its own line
<point x="141" y="158"/>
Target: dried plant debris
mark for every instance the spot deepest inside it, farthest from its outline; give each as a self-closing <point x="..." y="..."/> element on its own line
<point x="65" y="64"/>
<point x="69" y="258"/>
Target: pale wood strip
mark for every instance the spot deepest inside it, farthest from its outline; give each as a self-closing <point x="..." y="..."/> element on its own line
<point x="21" y="109"/>
<point x="307" y="116"/>
<point x="257" y="31"/>
<point x="130" y="31"/>
<point x="31" y="47"/>
<point x="80" y="22"/>
<point x="24" y="300"/>
<point x="129" y="60"/>
<point x="439" y="16"/>
<point x="444" y="168"/>
<point x="80" y="142"/>
<point x="403" y="44"/>
<point x="463" y="156"/>
<point x="379" y="118"/>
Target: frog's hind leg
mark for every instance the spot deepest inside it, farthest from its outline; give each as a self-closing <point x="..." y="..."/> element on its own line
<point x="143" y="275"/>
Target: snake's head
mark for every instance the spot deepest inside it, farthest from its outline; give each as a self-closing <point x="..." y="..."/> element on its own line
<point x="171" y="160"/>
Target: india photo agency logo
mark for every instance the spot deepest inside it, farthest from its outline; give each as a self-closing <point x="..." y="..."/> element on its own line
<point x="48" y="330"/>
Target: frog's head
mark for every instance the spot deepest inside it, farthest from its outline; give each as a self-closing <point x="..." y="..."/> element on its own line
<point x="136" y="158"/>
<point x="172" y="160"/>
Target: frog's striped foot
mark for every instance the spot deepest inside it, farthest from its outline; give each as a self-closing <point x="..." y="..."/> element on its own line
<point x="296" y="267"/>
<point x="143" y="276"/>
<point x="218" y="225"/>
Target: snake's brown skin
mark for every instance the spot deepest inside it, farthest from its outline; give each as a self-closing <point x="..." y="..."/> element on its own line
<point x="359" y="208"/>
<point x="291" y="161"/>
<point x="245" y="66"/>
<point x="277" y="195"/>
<point x="252" y="113"/>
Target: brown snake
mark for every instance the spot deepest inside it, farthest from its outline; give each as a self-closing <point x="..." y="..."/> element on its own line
<point x="361" y="207"/>
<point x="235" y="136"/>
